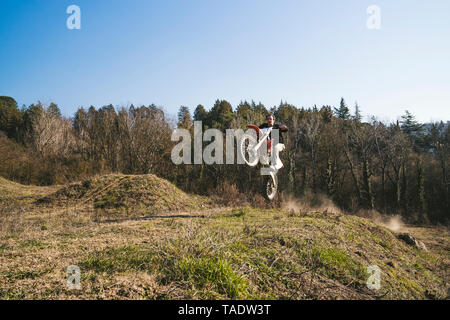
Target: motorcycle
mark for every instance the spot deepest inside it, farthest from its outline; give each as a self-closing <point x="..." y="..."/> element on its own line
<point x="259" y="149"/>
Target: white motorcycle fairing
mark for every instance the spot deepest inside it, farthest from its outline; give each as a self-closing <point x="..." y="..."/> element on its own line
<point x="277" y="161"/>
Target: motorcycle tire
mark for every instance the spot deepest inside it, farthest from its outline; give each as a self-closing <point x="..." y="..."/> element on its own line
<point x="246" y="145"/>
<point x="270" y="187"/>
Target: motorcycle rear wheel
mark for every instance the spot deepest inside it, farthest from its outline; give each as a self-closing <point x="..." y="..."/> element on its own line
<point x="270" y="187"/>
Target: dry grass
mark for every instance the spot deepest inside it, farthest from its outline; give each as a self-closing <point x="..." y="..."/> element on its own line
<point x="134" y="195"/>
<point x="217" y="253"/>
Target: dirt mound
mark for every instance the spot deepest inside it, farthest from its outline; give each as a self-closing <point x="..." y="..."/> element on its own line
<point x="7" y="187"/>
<point x="13" y="190"/>
<point x="126" y="191"/>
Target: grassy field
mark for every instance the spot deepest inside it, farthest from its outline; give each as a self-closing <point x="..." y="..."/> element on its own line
<point x="139" y="237"/>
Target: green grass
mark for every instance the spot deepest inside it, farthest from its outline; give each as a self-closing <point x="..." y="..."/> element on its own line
<point x="337" y="264"/>
<point x="23" y="274"/>
<point x="197" y="253"/>
<point x="35" y="244"/>
<point x="107" y="201"/>
<point x="12" y="294"/>
<point x="247" y="253"/>
<point x="120" y="259"/>
<point x="4" y="247"/>
<point x="202" y="273"/>
<point x="212" y="272"/>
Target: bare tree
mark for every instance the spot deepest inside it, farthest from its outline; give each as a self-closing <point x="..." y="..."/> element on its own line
<point x="52" y="135"/>
<point x="310" y="135"/>
<point x="397" y="154"/>
<point x="144" y="138"/>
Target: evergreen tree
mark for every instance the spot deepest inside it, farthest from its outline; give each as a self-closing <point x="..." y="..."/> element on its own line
<point x="10" y="117"/>
<point x="53" y="109"/>
<point x="342" y="112"/>
<point x="184" y="118"/>
<point x="409" y="125"/>
<point x="244" y="114"/>
<point x="260" y="112"/>
<point x="221" y="115"/>
<point x="200" y="114"/>
<point x="286" y="113"/>
<point x="30" y="114"/>
<point x="357" y="117"/>
<point x="412" y="129"/>
<point x="327" y="113"/>
<point x="79" y="119"/>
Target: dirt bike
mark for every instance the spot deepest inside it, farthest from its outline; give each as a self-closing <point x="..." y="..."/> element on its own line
<point x="258" y="148"/>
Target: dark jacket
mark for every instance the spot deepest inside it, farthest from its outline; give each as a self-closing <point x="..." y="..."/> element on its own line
<point x="281" y="128"/>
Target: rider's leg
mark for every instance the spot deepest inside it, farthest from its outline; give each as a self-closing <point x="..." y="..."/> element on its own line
<point x="277" y="161"/>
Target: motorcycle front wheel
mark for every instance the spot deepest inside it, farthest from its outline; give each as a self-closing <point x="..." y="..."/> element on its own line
<point x="248" y="153"/>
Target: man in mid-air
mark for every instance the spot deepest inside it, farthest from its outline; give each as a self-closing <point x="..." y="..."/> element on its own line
<point x="270" y="122"/>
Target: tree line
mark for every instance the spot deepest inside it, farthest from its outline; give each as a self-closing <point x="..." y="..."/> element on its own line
<point x="398" y="167"/>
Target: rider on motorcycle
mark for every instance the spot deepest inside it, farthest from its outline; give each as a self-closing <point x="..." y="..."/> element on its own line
<point x="261" y="149"/>
<point x="270" y="118"/>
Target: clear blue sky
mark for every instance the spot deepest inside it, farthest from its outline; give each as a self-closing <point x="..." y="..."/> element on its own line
<point x="190" y="52"/>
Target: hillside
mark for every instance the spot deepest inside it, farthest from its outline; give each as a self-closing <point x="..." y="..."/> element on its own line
<point x="135" y="194"/>
<point x="10" y="190"/>
<point x="139" y="237"/>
